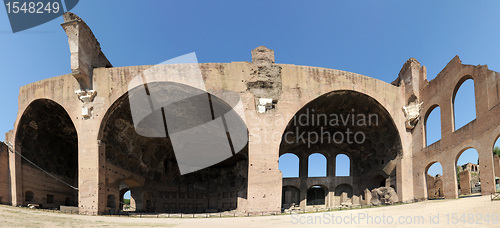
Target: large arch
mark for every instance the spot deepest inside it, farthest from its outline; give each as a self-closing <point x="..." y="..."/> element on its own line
<point x="375" y="150"/>
<point x="149" y="168"/>
<point x="48" y="141"/>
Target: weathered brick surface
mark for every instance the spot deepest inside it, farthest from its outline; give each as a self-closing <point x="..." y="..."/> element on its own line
<point x="291" y="87"/>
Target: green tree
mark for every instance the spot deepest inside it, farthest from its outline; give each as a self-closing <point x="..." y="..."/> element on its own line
<point x="496" y="150"/>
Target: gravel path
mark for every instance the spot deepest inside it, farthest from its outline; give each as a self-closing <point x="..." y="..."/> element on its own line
<point x="464" y="212"/>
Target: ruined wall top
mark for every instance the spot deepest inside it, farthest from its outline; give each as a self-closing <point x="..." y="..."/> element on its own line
<point x="71" y="17"/>
<point x="262" y="55"/>
<point x="405" y="75"/>
<point x="85" y="50"/>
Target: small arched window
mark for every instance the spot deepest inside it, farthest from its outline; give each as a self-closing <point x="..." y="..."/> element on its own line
<point x="432" y="125"/>
<point x="342" y="165"/>
<point x="317" y="165"/>
<point x="288" y="164"/>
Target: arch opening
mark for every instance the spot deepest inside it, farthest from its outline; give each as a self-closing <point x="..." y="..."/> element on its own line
<point x="464" y="103"/>
<point x="432" y="125"/>
<point x="378" y="181"/>
<point x="290" y="197"/>
<point x="317" y="165"/>
<point x="434" y="181"/>
<point x="496" y="164"/>
<point x="289" y="164"/>
<point x="158" y="185"/>
<point x="47" y="137"/>
<point x="126" y="200"/>
<point x="351" y="124"/>
<point x="316" y="195"/>
<point x="342" y="165"/>
<point x="343" y="195"/>
<point x="468" y="173"/>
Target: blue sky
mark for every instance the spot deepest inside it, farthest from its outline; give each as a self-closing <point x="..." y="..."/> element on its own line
<point x="373" y="38"/>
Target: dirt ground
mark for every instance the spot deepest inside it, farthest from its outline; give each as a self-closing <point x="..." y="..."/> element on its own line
<point x="477" y="211"/>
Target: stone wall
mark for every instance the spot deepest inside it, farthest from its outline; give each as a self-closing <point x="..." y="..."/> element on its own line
<point x="434" y="186"/>
<point x="496" y="162"/>
<point x="4" y="175"/>
<point x="46" y="190"/>
<point x="286" y="89"/>
<point x="465" y="182"/>
<point x="479" y="134"/>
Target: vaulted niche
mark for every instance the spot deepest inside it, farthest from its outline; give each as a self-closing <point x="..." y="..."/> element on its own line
<point x="348" y="123"/>
<point x="149" y="168"/>
<point x="47" y="137"/>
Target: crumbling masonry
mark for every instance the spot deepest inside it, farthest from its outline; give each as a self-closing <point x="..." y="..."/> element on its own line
<point x="78" y="127"/>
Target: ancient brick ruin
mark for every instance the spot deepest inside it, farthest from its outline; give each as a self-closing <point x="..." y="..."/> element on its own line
<point x="78" y="128"/>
